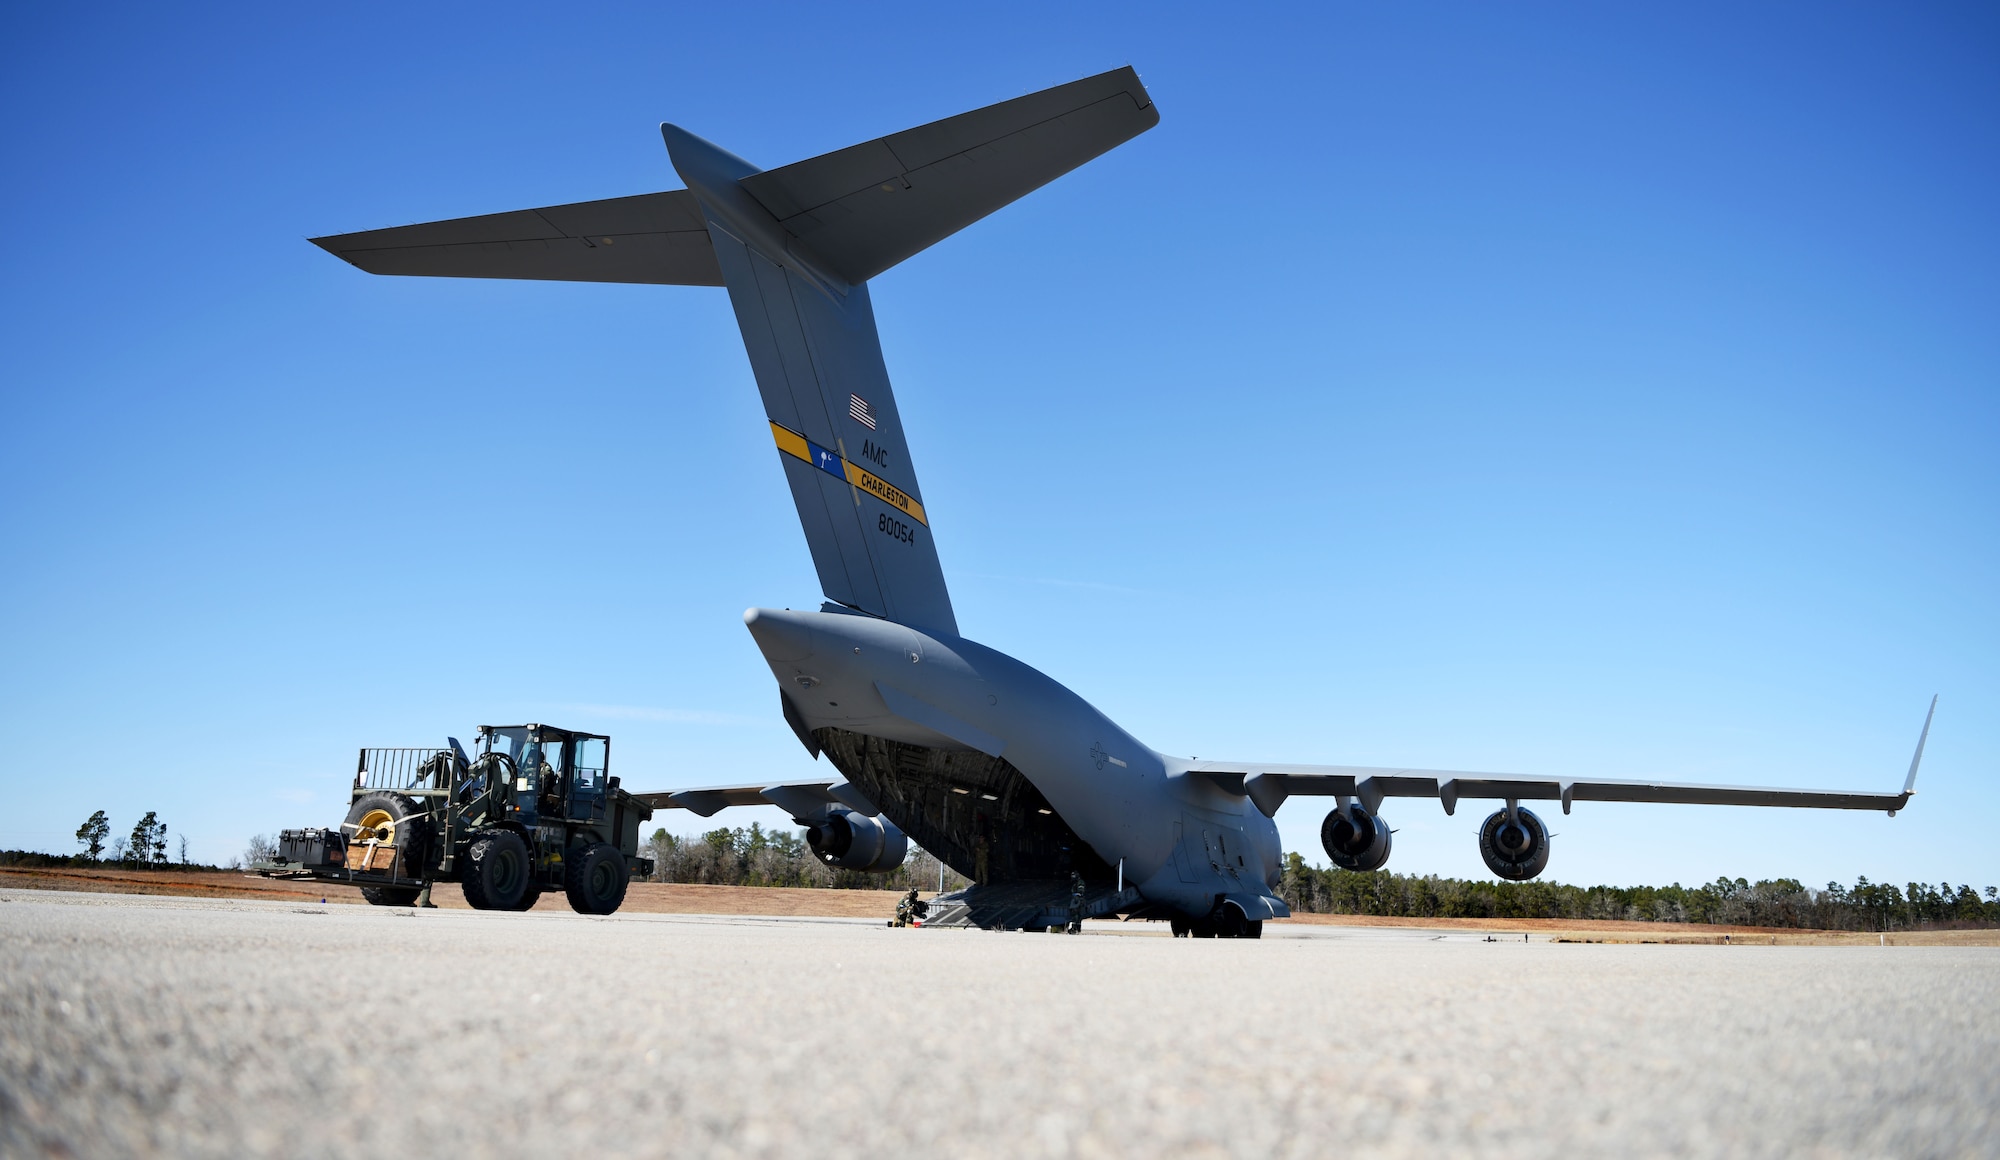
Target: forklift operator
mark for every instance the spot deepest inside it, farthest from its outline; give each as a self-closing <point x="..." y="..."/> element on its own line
<point x="548" y="787"/>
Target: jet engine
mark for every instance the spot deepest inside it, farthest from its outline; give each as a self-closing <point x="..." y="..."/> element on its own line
<point x="850" y="841"/>
<point x="1515" y="844"/>
<point x="1355" y="839"/>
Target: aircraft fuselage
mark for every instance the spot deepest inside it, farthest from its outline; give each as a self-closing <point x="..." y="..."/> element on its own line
<point x="1183" y="842"/>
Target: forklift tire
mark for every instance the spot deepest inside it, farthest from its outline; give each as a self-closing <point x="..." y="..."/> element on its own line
<point x="391" y="895"/>
<point x="496" y="870"/>
<point x="596" y="878"/>
<point x="409" y="828"/>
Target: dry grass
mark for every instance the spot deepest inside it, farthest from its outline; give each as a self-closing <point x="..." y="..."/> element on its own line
<point x="643" y="897"/>
<point x="1613" y="931"/>
<point x="191" y="884"/>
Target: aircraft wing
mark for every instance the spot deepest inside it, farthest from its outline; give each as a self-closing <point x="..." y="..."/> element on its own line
<point x="803" y="800"/>
<point x="1269" y="785"/>
<point x="657" y="238"/>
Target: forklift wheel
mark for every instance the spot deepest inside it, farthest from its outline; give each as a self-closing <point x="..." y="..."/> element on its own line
<point x="496" y="870"/>
<point x="596" y="877"/>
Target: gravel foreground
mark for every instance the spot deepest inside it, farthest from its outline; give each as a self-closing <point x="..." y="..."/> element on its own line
<point x="191" y="1027"/>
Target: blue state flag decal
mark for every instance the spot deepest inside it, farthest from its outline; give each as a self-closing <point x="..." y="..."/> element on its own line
<point x="805" y="450"/>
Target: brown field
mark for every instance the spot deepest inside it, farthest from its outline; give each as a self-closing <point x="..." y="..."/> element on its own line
<point x="1577" y="930"/>
<point x="192" y="884"/>
<point x="673" y="898"/>
<point x="643" y="897"/>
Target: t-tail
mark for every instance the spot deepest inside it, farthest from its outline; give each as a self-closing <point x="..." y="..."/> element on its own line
<point x="796" y="246"/>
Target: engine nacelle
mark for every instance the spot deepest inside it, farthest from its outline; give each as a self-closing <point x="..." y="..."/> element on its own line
<point x="1515" y="848"/>
<point x="850" y="841"/>
<point x="1356" y="840"/>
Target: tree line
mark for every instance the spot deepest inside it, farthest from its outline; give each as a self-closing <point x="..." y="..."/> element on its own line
<point x="755" y="856"/>
<point x="146" y="845"/>
<point x="1781" y="902"/>
<point x="145" y="848"/>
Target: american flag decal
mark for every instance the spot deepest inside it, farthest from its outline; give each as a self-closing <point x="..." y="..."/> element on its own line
<point x="862" y="412"/>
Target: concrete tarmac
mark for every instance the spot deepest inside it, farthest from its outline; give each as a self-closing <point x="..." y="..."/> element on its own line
<point x="189" y="1027"/>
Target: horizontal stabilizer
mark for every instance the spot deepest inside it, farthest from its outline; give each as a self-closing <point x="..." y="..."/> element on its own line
<point x="862" y="209"/>
<point x="657" y="238"/>
<point x="795" y="246"/>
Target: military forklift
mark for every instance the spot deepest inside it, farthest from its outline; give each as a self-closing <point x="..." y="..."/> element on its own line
<point x="534" y="808"/>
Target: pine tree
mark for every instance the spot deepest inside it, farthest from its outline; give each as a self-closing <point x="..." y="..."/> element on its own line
<point x="92" y="833"/>
<point x="149" y="839"/>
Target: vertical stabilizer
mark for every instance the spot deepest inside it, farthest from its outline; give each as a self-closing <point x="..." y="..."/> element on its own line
<point x="795" y="247"/>
<point x="818" y="362"/>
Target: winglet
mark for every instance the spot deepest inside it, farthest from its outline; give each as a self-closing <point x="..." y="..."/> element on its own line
<point x="1916" y="759"/>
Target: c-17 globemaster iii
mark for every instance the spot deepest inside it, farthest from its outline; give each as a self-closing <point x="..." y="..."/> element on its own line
<point x="1006" y="775"/>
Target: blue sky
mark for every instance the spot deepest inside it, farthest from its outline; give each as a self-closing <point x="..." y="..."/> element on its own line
<point x="1565" y="389"/>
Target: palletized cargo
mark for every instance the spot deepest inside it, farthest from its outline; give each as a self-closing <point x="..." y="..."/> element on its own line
<point x="311" y="846"/>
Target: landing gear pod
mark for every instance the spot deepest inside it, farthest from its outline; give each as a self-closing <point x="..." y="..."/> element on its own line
<point x="850" y="841"/>
<point x="1514" y="843"/>
<point x="1355" y="839"/>
<point x="1227" y="920"/>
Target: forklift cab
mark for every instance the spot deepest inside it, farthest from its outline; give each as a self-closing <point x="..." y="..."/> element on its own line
<point x="559" y="774"/>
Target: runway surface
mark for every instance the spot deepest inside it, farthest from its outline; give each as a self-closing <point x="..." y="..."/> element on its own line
<point x="194" y="1027"/>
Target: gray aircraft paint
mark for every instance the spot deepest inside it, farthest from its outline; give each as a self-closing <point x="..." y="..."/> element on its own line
<point x="879" y="681"/>
<point x="818" y="363"/>
<point x="865" y="675"/>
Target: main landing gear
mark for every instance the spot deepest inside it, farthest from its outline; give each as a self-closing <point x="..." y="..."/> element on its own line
<point x="1225" y="921"/>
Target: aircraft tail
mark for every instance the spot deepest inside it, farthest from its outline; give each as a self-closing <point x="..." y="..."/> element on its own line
<point x="795" y="246"/>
